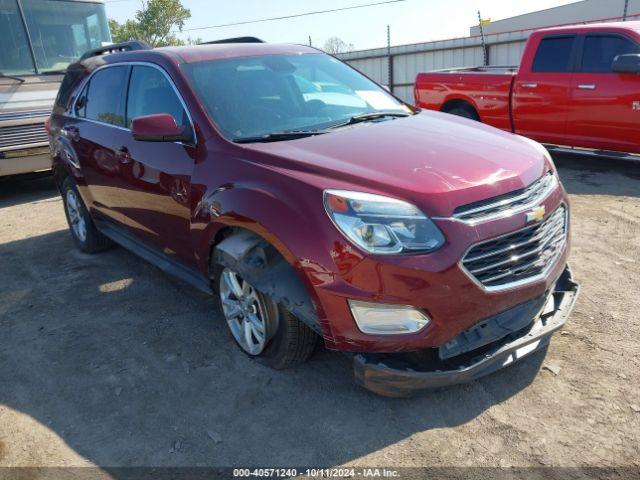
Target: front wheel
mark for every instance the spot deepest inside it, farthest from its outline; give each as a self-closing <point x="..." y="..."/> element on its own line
<point x="263" y="329"/>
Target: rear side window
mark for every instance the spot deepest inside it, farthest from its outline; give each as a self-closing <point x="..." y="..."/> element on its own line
<point x="150" y="92"/>
<point x="600" y="51"/>
<point x="104" y="101"/>
<point x="554" y="55"/>
<point x="71" y="80"/>
<point x="80" y="108"/>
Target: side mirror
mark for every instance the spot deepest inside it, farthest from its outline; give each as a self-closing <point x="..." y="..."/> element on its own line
<point x="628" y="63"/>
<point x="160" y="127"/>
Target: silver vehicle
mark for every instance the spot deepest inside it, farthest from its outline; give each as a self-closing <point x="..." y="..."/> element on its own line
<point x="38" y="40"/>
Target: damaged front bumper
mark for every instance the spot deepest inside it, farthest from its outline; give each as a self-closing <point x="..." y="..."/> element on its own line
<point x="401" y="376"/>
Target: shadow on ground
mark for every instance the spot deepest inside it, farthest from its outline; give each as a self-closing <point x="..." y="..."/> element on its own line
<point x="20" y="189"/>
<point x="590" y="176"/>
<point x="131" y="368"/>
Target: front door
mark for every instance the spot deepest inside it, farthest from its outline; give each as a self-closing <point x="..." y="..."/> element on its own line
<point x="604" y="112"/>
<point x="156" y="200"/>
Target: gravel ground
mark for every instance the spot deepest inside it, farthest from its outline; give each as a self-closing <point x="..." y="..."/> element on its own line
<point x="105" y="361"/>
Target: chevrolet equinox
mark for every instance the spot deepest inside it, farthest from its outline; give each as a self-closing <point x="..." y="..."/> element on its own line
<point x="314" y="204"/>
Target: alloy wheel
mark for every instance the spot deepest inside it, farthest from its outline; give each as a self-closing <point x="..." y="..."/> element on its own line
<point x="245" y="312"/>
<point x="76" y="219"/>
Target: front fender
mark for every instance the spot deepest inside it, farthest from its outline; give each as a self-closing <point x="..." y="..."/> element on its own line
<point x="294" y="228"/>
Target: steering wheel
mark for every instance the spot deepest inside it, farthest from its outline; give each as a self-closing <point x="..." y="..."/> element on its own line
<point x="314" y="107"/>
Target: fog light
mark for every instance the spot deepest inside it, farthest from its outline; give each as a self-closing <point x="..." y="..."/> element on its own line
<point x="379" y="319"/>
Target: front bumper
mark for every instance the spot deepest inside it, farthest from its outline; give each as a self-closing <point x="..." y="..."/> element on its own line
<point x="383" y="375"/>
<point x="28" y="160"/>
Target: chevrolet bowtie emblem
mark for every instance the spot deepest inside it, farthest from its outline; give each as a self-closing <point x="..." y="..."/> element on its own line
<point x="536" y="214"/>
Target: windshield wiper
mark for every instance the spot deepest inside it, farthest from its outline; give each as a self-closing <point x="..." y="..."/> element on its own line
<point x="62" y="71"/>
<point x="279" y="136"/>
<point x="13" y="77"/>
<point x="366" y="117"/>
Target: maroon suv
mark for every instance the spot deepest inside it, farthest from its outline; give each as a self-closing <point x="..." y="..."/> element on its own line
<point x="311" y="202"/>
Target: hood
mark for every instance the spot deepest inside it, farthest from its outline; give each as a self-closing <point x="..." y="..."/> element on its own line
<point x="35" y="94"/>
<point x="437" y="161"/>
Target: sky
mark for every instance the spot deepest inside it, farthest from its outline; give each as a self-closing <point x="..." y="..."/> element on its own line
<point x="411" y="21"/>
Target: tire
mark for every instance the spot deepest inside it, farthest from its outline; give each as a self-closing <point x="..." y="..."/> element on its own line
<point x="288" y="341"/>
<point x="465" y="111"/>
<point x="86" y="236"/>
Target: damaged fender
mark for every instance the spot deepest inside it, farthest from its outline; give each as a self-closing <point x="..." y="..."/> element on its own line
<point x="261" y="265"/>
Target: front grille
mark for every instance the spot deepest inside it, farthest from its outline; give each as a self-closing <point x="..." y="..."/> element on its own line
<point x="24" y="114"/>
<point x="22" y="135"/>
<point x="518" y="257"/>
<point x="508" y="203"/>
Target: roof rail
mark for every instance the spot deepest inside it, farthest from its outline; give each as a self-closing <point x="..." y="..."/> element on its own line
<point x="235" y="40"/>
<point x="117" y="47"/>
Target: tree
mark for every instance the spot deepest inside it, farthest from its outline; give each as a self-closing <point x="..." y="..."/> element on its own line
<point x="155" y="23"/>
<point x="336" y="45"/>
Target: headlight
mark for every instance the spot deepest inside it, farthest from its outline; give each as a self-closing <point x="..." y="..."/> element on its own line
<point x="382" y="225"/>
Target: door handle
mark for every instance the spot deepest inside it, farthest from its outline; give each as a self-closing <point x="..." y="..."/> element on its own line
<point x="587" y="86"/>
<point x="529" y="85"/>
<point x="123" y="155"/>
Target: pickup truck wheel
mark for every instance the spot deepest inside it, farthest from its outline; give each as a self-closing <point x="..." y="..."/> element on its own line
<point x="83" y="231"/>
<point x="260" y="327"/>
<point x="465" y="111"/>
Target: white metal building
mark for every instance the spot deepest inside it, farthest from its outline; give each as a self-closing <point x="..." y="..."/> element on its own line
<point x="504" y="39"/>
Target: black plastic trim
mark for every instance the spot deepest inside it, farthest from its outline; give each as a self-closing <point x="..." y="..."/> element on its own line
<point x="157" y="258"/>
<point x="116" y="47"/>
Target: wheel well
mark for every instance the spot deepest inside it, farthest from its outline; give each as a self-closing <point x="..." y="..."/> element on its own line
<point x="267" y="269"/>
<point x="458" y="103"/>
<point x="59" y="175"/>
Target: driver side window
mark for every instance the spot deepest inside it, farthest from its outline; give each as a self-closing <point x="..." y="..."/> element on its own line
<point x="150" y="92"/>
<point x="600" y="51"/>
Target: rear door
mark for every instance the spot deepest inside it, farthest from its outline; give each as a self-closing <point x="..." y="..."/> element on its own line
<point x="156" y="176"/>
<point x="541" y="91"/>
<point x="604" y="112"/>
<point x="99" y="113"/>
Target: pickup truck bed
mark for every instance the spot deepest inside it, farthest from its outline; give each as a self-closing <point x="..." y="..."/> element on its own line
<point x="489" y="88"/>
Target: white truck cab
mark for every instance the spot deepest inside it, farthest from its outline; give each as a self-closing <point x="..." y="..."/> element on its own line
<point x="39" y="39"/>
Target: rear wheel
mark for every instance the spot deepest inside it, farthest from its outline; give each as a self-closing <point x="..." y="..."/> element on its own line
<point x="466" y="111"/>
<point x="83" y="231"/>
<point x="263" y="329"/>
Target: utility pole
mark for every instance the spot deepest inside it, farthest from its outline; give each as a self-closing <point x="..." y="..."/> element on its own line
<point x="484" y="45"/>
<point x="626" y="10"/>
<point x="389" y="58"/>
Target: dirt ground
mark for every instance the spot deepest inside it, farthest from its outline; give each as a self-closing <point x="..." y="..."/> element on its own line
<point x="106" y="361"/>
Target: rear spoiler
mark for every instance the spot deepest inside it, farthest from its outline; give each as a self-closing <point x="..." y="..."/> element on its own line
<point x="234" y="40"/>
<point x="117" y="47"/>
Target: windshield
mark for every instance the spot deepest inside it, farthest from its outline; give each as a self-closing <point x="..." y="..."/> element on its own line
<point x="15" y="57"/>
<point x="60" y="32"/>
<point x="256" y="96"/>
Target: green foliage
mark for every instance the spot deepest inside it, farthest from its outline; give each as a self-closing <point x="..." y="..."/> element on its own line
<point x="154" y="23"/>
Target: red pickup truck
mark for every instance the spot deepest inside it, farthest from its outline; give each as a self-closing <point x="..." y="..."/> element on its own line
<point x="577" y="86"/>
